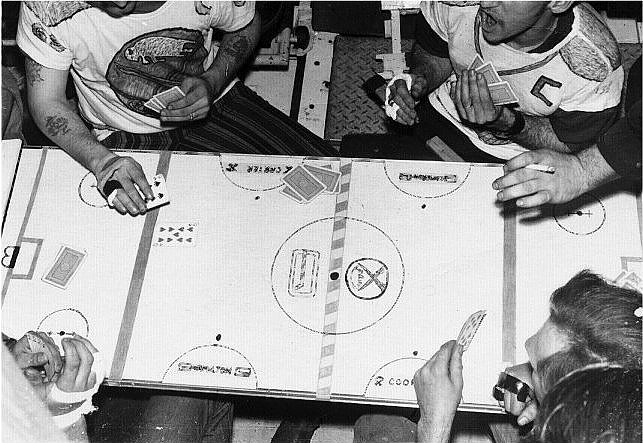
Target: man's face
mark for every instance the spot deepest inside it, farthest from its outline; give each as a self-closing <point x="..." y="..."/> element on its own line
<point x="544" y="343"/>
<point x="503" y="21"/>
<point x="115" y="9"/>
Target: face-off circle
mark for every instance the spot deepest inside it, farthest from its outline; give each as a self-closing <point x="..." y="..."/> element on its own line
<point x="427" y="180"/>
<point x="88" y="192"/>
<point x="582" y="216"/>
<point x="63" y="323"/>
<point x="212" y="365"/>
<point x="370" y="281"/>
<point x="256" y="173"/>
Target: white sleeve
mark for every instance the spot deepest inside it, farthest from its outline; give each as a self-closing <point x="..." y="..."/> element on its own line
<point x="230" y="16"/>
<point x="437" y="16"/>
<point x="40" y="43"/>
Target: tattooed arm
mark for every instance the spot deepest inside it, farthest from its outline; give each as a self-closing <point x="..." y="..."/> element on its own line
<point x="235" y="50"/>
<point x="59" y="121"/>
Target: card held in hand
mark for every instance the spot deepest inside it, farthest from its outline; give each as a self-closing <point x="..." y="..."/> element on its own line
<point x="159" y="189"/>
<point x="303" y="183"/>
<point x="502" y="94"/>
<point x="65" y="267"/>
<point x="470" y="328"/>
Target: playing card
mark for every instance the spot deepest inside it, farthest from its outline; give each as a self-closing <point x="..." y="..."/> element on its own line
<point x="303" y="183"/>
<point x="159" y="189"/>
<point x="489" y="73"/>
<point x="168" y="96"/>
<point x="327" y="177"/>
<point x="153" y="104"/>
<point x="470" y="328"/>
<point x="64" y="268"/>
<point x="35" y="343"/>
<point x="175" y="234"/>
<point x="476" y="62"/>
<point x="292" y="194"/>
<point x="502" y="94"/>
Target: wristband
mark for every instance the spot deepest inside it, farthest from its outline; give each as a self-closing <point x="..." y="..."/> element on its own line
<point x="58" y="396"/>
<point x="512" y="384"/>
<point x="516" y="128"/>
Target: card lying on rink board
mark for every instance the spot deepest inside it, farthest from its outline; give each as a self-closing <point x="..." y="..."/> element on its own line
<point x="65" y="266"/>
<point x="470" y="328"/>
<point x="175" y="234"/>
<point x="303" y="183"/>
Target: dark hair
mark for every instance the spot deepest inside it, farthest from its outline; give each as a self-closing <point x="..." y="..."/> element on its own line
<point x="599" y="322"/>
<point x="600" y="403"/>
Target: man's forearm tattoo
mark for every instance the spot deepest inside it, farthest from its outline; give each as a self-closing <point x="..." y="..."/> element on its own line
<point x="33" y="69"/>
<point x="56" y="125"/>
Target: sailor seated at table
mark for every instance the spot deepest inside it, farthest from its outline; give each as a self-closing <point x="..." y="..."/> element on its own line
<point x="591" y="321"/>
<point x="65" y="386"/>
<point x="121" y="55"/>
<point x="559" y="59"/>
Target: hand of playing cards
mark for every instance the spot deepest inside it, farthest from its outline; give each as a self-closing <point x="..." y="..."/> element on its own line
<point x="162" y="99"/>
<point x="500" y="91"/>
<point x="304" y="183"/>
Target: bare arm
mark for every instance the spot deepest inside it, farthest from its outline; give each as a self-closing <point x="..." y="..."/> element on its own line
<point x="234" y="52"/>
<point x="58" y="120"/>
<point x="575" y="174"/>
<point x="200" y="92"/>
<point x="434" y="69"/>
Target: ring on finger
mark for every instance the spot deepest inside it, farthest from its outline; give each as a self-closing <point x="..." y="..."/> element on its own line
<point x="191" y="116"/>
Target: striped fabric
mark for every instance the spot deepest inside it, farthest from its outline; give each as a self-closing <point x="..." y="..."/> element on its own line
<point x="241" y="122"/>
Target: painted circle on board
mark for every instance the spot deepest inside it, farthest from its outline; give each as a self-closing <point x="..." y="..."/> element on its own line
<point x="582" y="216"/>
<point x="63" y="323"/>
<point x="424" y="180"/>
<point x="371" y="282"/>
<point x="212" y="365"/>
<point x="367" y="278"/>
<point x="394" y="380"/>
<point x="256" y="173"/>
<point x="88" y="192"/>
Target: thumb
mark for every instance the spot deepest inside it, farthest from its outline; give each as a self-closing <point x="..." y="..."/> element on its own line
<point x="455" y="365"/>
<point x="528" y="414"/>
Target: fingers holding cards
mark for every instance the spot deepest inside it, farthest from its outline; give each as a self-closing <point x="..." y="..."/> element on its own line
<point x="500" y="91"/>
<point x="163" y="99"/>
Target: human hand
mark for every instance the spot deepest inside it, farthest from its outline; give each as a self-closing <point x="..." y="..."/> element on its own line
<point x="199" y="96"/>
<point x="76" y="375"/>
<point x="472" y="99"/>
<point x="130" y="175"/>
<point x="405" y="99"/>
<point x="28" y="359"/>
<point x="524" y="411"/>
<point x="438" y="387"/>
<point x="534" y="188"/>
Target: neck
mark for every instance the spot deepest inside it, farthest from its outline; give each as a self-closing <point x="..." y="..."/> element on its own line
<point x="537" y="34"/>
<point x="145" y="7"/>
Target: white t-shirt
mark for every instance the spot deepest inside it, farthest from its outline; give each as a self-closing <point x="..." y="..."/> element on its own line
<point x="119" y="63"/>
<point x="576" y="83"/>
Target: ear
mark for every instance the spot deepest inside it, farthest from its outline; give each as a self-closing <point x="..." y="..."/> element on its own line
<point x="558" y="7"/>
